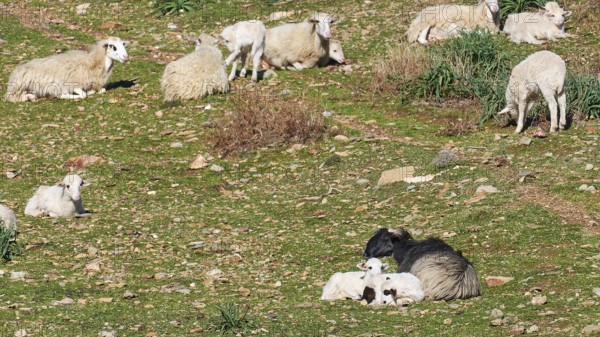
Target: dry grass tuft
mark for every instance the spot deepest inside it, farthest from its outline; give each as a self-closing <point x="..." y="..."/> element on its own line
<point x="263" y="119"/>
<point x="402" y="63"/>
<point x="459" y="126"/>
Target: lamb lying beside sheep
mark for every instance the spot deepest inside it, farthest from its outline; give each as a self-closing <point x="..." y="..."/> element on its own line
<point x="352" y="284"/>
<point x="542" y="73"/>
<point x="61" y="200"/>
<point x="535" y="28"/>
<point x="71" y="75"/>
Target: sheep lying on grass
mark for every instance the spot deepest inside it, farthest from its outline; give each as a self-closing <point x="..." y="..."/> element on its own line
<point x="196" y="75"/>
<point x="243" y="38"/>
<point x="71" y="75"/>
<point x="445" y="273"/>
<point x="301" y="45"/>
<point x="444" y="21"/>
<point x="9" y="221"/>
<point x="352" y="284"/>
<point x="61" y="200"/>
<point x="534" y="28"/>
<point x="393" y="288"/>
<point x="541" y="73"/>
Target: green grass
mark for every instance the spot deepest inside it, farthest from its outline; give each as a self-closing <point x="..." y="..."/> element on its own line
<point x="278" y="223"/>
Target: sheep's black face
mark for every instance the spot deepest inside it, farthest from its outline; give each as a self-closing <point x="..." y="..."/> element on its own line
<point x="379" y="245"/>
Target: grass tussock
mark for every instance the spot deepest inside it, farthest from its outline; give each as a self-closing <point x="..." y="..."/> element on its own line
<point x="404" y="62"/>
<point x="8" y="244"/>
<point x="583" y="96"/>
<point x="231" y="318"/>
<point x="458" y="127"/>
<point x="267" y="119"/>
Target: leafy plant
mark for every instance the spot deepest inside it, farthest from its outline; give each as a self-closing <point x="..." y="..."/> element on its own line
<point x="231" y="318"/>
<point x="583" y="96"/>
<point x="8" y="244"/>
<point x="518" y="6"/>
<point x="166" y="7"/>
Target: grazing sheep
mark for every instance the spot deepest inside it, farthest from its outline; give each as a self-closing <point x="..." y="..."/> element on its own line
<point x="386" y="289"/>
<point x="8" y="219"/>
<point x="351" y="284"/>
<point x="196" y="75"/>
<point x="243" y="38"/>
<point x="61" y="200"/>
<point x="71" y="75"/>
<point x="534" y="28"/>
<point x="542" y="73"/>
<point x="445" y="273"/>
<point x="444" y="21"/>
<point x="296" y="46"/>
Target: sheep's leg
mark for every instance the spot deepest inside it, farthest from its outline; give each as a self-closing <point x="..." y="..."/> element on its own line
<point x="257" y="52"/>
<point x="77" y="94"/>
<point x="296" y="66"/>
<point x="232" y="57"/>
<point x="99" y="92"/>
<point x="243" y="56"/>
<point x="553" y="106"/>
<point x="233" y="70"/>
<point x="522" y="113"/>
<point x="29" y="97"/>
<point x="422" y="39"/>
<point x="562" y="104"/>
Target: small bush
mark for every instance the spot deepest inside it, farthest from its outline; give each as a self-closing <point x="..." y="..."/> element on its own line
<point x="261" y="120"/>
<point x="8" y="244"/>
<point x="583" y="96"/>
<point x="231" y="319"/>
<point x="166" y="7"/>
<point x="518" y="6"/>
<point x="444" y="159"/>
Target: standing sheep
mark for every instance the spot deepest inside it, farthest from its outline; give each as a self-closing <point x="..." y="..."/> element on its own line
<point x="61" y="200"/>
<point x="71" y="75"/>
<point x="8" y="219"/>
<point x="534" y="28"/>
<point x="445" y="273"/>
<point x="542" y="73"/>
<point x="196" y="75"/>
<point x="296" y="46"/>
<point x="243" y="38"/>
<point x="444" y="21"/>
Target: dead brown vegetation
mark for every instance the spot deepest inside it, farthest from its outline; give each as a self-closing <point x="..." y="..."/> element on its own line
<point x="402" y="63"/>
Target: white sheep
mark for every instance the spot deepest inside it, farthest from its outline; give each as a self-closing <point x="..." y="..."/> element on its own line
<point x="296" y="46"/>
<point x="541" y="73"/>
<point x="352" y="284"/>
<point x="8" y="219"/>
<point x="196" y="75"/>
<point x="407" y="288"/>
<point x="534" y="28"/>
<point x="61" y="200"/>
<point x="335" y="52"/>
<point x="243" y="38"/>
<point x="71" y="75"/>
<point x="444" y="21"/>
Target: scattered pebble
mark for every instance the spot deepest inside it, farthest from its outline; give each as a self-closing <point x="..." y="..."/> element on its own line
<point x="590" y="329"/>
<point x="589" y="167"/>
<point x="362" y="181"/>
<point x="499" y="136"/>
<point x="176" y="145"/>
<point x="483" y="189"/>
<point x="341" y="138"/>
<point x="525" y="141"/>
<point x="328" y="113"/>
<point x="539" y="300"/>
<point x="217" y="168"/>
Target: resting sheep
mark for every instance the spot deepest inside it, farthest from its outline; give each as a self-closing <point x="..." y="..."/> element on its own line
<point x="534" y="28"/>
<point x="393" y="288"/>
<point x="243" y="38"/>
<point x="351" y="284"/>
<point x="444" y="21"/>
<point x="296" y="46"/>
<point x="335" y="52"/>
<point x="71" y="75"/>
<point x="445" y="273"/>
<point x="8" y="219"/>
<point x="61" y="200"/>
<point x="542" y="73"/>
<point x="196" y="75"/>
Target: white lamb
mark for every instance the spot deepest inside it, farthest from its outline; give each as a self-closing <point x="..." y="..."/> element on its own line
<point x="396" y="288"/>
<point x="541" y="73"/>
<point x="243" y="38"/>
<point x="71" y="75"/>
<point x="335" y="52"/>
<point x="196" y="75"/>
<point x="535" y="28"/>
<point x="61" y="200"/>
<point x="352" y="284"/>
<point x="444" y="21"/>
<point x="8" y="219"/>
<point x="296" y="46"/>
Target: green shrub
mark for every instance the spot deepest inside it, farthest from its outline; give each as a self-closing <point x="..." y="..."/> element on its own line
<point x="8" y="244"/>
<point x="583" y="96"/>
<point x="231" y="319"/>
<point x="166" y="7"/>
<point x="518" y="6"/>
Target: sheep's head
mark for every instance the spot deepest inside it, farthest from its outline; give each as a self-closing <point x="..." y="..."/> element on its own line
<point x="382" y="243"/>
<point x="227" y="37"/>
<point x="335" y="52"/>
<point x="493" y="5"/>
<point x="323" y="22"/>
<point x="115" y="49"/>
<point x="206" y="40"/>
<point x="73" y="184"/>
<point x="555" y="14"/>
<point x="373" y="266"/>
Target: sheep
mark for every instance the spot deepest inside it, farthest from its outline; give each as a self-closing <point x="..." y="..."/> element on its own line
<point x="386" y="289"/>
<point x="544" y="73"/>
<point x="351" y="284"/>
<point x="445" y="273"/>
<point x="296" y="46"/>
<point x="61" y="200"/>
<point x="534" y="28"/>
<point x="444" y="21"/>
<point x="243" y="38"/>
<point x="8" y="219"/>
<point x="336" y="53"/>
<point x="196" y="75"/>
<point x="75" y="74"/>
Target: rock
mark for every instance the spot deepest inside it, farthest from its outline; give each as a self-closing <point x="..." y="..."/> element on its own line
<point x="159" y="114"/>
<point x="347" y="69"/>
<point x="591" y="189"/>
<point x="11" y="174"/>
<point x="496" y="322"/>
<point x="82" y="9"/>
<point x="172" y="26"/>
<point x="590" y="329"/>
<point x="589" y="167"/>
<point x="525" y="141"/>
<point x="496" y="314"/>
<point x="539" y="300"/>
<point x="341" y="138"/>
<point x="112" y="25"/>
<point x="517" y="330"/>
<point x="483" y="189"/>
<point x="395" y="175"/>
<point x="499" y="136"/>
<point x="411" y="188"/>
<point x="65" y="301"/>
<point x="362" y="181"/>
<point x="129" y="295"/>
<point x="21" y="333"/>
<point x="540" y="133"/>
<point x="494" y="281"/>
<point x="176" y="145"/>
<point x="533" y="328"/>
<point x="583" y="187"/>
<point x="328" y="113"/>
<point x="217" y="168"/>
<point x="269" y="73"/>
<point x="2" y="41"/>
<point x="107" y="334"/>
<point x="17" y="275"/>
<point x="198" y="163"/>
<point x="285" y="91"/>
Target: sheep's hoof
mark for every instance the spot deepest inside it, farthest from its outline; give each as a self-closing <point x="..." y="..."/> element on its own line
<point x="243" y="73"/>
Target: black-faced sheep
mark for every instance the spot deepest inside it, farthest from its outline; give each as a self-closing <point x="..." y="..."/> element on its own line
<point x="445" y="273"/>
<point x="61" y="200"/>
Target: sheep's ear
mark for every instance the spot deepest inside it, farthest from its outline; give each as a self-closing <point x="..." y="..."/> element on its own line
<point x="105" y="45"/>
<point x="362" y="266"/>
<point x="567" y="13"/>
<point x="61" y="184"/>
<point x="504" y="111"/>
<point x="126" y="43"/>
<point x="385" y="266"/>
<point x="315" y="21"/>
<point x="85" y="183"/>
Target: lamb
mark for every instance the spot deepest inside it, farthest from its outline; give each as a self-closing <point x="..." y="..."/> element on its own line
<point x="243" y="38"/>
<point x="8" y="219"/>
<point x="386" y="289"/>
<point x="296" y="46"/>
<point x="351" y="284"/>
<point x="534" y="28"/>
<point x="444" y="21"/>
<point x="542" y="73"/>
<point x="61" y="200"/>
<point x="196" y="75"/>
<point x="445" y="273"/>
<point x="75" y="74"/>
<point x="336" y="53"/>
